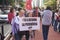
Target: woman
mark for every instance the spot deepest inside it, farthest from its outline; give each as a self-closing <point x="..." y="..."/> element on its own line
<point x="58" y="20"/>
<point x="55" y="20"/>
<point x="32" y="32"/>
<point x="15" y="27"/>
<point x="11" y="15"/>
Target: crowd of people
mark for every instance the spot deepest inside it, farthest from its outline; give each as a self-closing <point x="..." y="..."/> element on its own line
<point x="56" y="21"/>
<point x="47" y="16"/>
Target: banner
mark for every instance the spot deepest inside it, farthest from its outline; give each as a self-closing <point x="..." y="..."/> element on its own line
<point x="29" y="23"/>
<point x="29" y="4"/>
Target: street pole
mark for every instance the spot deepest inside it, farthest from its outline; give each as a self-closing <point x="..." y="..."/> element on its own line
<point x="2" y="32"/>
<point x="2" y="28"/>
<point x="3" y="5"/>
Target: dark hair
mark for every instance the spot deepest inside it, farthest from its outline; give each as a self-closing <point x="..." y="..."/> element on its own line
<point x="11" y="10"/>
<point x="56" y="10"/>
<point x="48" y="8"/>
<point x="19" y="9"/>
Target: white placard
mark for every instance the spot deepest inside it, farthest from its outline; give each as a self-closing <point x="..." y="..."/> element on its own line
<point x="29" y="23"/>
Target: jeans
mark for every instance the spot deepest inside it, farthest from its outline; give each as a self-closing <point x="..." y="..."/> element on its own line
<point x="58" y="26"/>
<point x="16" y="36"/>
<point x="21" y="33"/>
<point x="55" y="25"/>
<point x="53" y="22"/>
<point x="45" y="29"/>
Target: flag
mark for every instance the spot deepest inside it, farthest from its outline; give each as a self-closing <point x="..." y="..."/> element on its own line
<point x="28" y="4"/>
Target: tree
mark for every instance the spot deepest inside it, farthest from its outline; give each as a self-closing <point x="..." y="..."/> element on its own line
<point x="21" y="3"/>
<point x="1" y="2"/>
<point x="12" y="2"/>
<point x="51" y="3"/>
<point x="5" y="2"/>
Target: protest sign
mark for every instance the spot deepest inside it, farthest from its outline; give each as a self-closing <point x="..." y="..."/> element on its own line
<point x="29" y="23"/>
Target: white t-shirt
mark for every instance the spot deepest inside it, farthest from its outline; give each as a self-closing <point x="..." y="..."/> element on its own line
<point x="55" y="16"/>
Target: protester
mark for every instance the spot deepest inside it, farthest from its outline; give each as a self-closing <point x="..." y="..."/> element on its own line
<point x="58" y="20"/>
<point x="31" y="32"/>
<point x="46" y="22"/>
<point x="30" y="13"/>
<point x="55" y="20"/>
<point x="36" y="12"/>
<point x="17" y="35"/>
<point x="53" y="17"/>
<point x="11" y="15"/>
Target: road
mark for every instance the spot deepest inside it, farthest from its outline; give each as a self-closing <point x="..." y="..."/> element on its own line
<point x="7" y="28"/>
<point x="38" y="34"/>
<point x="51" y="36"/>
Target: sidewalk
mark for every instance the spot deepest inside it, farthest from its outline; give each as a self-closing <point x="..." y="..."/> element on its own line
<point x="52" y="34"/>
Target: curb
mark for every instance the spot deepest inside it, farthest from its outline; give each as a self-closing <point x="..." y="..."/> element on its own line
<point x="8" y="37"/>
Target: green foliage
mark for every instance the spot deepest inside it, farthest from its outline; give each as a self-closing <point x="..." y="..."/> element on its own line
<point x="11" y="2"/>
<point x="21" y="4"/>
<point x="1" y="1"/>
<point x="51" y="3"/>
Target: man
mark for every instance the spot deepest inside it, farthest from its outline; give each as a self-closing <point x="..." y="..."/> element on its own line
<point x="17" y="34"/>
<point x="46" y="22"/>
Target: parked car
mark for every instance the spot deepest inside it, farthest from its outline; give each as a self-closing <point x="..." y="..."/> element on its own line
<point x="4" y="16"/>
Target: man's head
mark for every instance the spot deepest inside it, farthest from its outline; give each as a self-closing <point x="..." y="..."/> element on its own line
<point x="21" y="11"/>
<point x="48" y="8"/>
<point x="56" y="10"/>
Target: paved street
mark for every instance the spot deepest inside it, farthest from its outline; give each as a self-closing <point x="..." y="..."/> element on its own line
<point x="38" y="34"/>
<point x="7" y="28"/>
<point x="52" y="34"/>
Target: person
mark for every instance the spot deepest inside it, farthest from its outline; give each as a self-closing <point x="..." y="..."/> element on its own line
<point x="55" y="20"/>
<point x="11" y="15"/>
<point x="31" y="32"/>
<point x="36" y="12"/>
<point x="17" y="35"/>
<point x="58" y="20"/>
<point x="53" y="17"/>
<point x="46" y="22"/>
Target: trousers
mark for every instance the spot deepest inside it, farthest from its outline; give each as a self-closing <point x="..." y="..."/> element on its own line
<point x="45" y="30"/>
<point x="21" y="33"/>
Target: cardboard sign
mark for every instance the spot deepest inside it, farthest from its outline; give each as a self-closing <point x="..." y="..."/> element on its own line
<point x="29" y="23"/>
